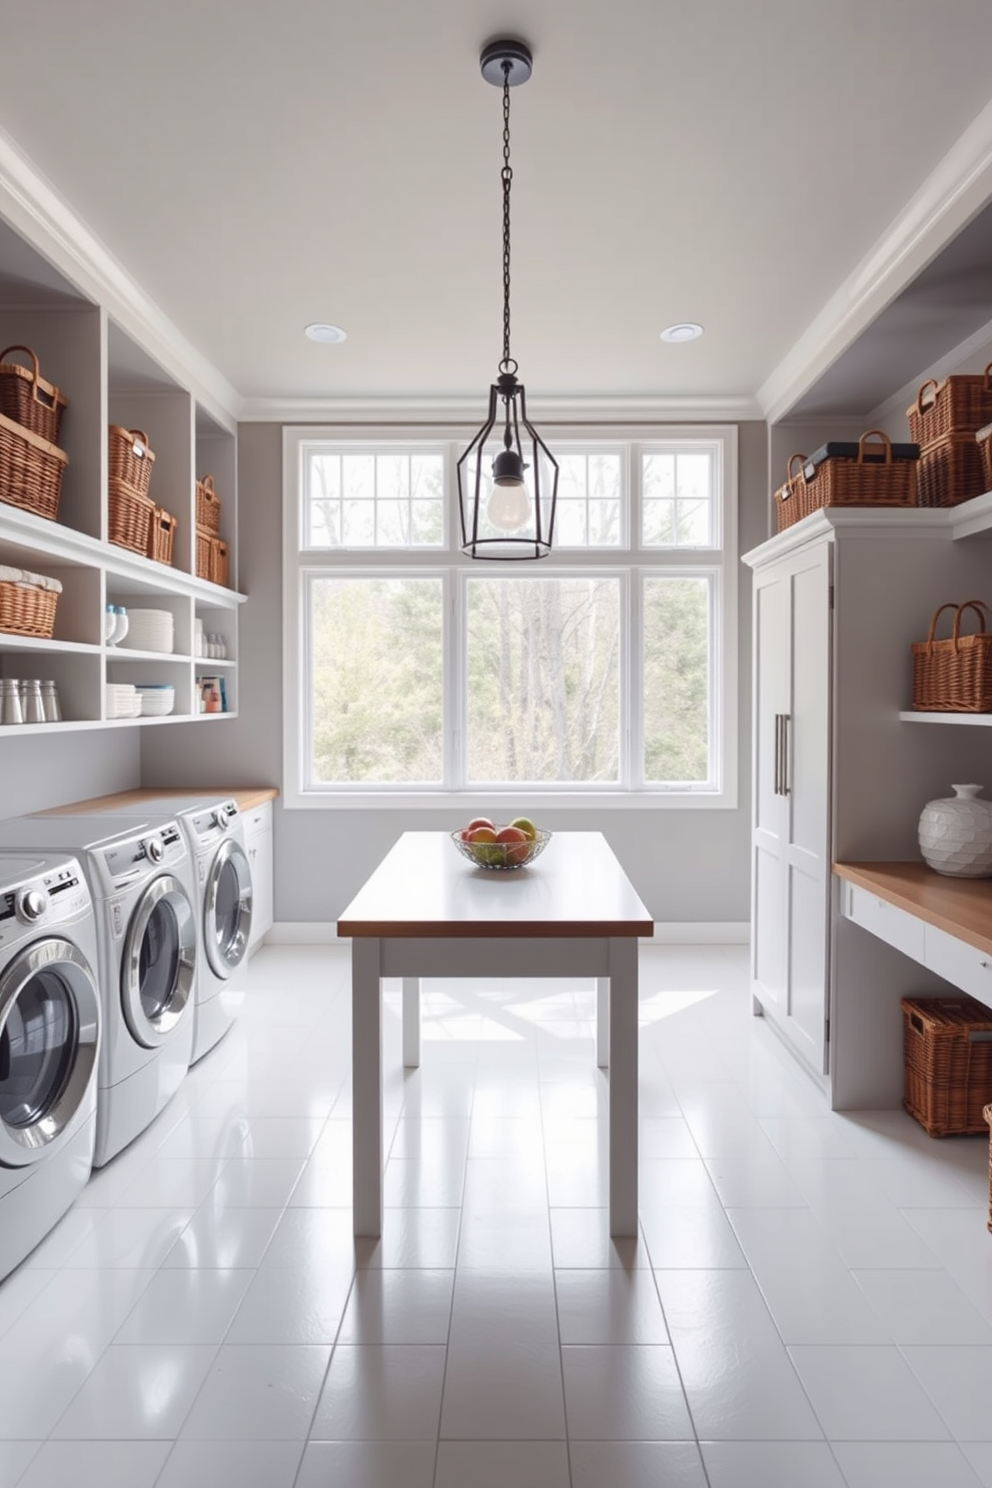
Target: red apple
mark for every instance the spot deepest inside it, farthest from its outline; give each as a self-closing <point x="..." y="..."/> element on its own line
<point x="480" y="821"/>
<point x="516" y="843"/>
<point x="481" y="839"/>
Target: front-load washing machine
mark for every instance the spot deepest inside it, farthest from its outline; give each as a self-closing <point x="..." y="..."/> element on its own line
<point x="50" y="1023"/>
<point x="215" y="837"/>
<point x="141" y="882"/>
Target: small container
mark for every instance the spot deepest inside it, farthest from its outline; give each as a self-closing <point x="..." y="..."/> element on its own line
<point x="50" y="702"/>
<point x="121" y="625"/>
<point x="33" y="705"/>
<point x="10" y="701"/>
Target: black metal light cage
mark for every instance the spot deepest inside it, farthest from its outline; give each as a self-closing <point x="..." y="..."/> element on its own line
<point x="536" y="543"/>
<point x="508" y="63"/>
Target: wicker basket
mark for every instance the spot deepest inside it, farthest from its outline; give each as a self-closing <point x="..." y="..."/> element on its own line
<point x="987" y="1113"/>
<point x="950" y="471"/>
<point x="31" y="470"/>
<point x="790" y="497"/>
<point x="207" y="505"/>
<point x="212" y="558"/>
<point x="947" y="1048"/>
<point x="954" y="675"/>
<point x="130" y="460"/>
<point x="203" y="542"/>
<point x="957" y="405"/>
<point x="27" y="603"/>
<point x="129" y="518"/>
<point x="161" y="535"/>
<point x="28" y="399"/>
<point x="984" y="441"/>
<point x="870" y="476"/>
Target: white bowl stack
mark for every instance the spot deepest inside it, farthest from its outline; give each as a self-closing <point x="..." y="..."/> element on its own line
<point x="122" y="700"/>
<point x="156" y="698"/>
<point x="149" y="630"/>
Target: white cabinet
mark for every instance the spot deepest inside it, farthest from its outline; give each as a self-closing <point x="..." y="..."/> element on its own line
<point x="790" y="845"/>
<point x="259" y="845"/>
<point x="838" y="600"/>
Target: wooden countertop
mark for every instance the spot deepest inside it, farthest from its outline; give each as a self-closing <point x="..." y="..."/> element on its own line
<point x="247" y="797"/>
<point x="960" y="906"/>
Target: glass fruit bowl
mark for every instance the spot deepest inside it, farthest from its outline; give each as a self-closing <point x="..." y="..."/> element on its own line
<point x="500" y="857"/>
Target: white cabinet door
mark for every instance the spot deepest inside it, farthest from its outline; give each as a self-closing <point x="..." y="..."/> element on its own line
<point x="259" y="846"/>
<point x="791" y="842"/>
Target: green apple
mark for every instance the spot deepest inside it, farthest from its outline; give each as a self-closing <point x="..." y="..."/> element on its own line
<point x="525" y="825"/>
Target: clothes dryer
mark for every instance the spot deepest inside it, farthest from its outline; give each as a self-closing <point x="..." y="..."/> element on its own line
<point x="140" y="880"/>
<point x="49" y="1046"/>
<point x="215" y="837"/>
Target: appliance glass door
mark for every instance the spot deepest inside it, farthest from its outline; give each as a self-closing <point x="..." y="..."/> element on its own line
<point x="49" y="1020"/>
<point x="159" y="959"/>
<point x="227" y="909"/>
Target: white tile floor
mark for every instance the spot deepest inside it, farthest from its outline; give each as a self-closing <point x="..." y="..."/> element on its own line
<point x="809" y="1304"/>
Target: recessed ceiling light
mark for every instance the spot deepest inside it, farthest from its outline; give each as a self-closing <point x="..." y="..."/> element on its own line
<point x="330" y="335"/>
<point x="685" y="330"/>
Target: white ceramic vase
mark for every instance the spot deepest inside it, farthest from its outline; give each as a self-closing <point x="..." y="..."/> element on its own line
<point x="956" y="834"/>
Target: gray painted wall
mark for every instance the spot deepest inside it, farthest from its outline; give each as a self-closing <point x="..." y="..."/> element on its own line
<point x="37" y="772"/>
<point x="687" y="865"/>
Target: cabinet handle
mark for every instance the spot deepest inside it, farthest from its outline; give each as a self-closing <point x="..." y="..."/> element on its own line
<point x="778" y="754"/>
<point x="786" y="720"/>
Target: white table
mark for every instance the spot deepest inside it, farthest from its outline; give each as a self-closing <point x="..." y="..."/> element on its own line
<point x="427" y="912"/>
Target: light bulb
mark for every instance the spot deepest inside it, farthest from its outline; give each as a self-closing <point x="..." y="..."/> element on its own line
<point x="509" y="505"/>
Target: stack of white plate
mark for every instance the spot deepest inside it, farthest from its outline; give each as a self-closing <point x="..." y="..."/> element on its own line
<point x="157" y="699"/>
<point x="149" y="630"/>
<point x="123" y="700"/>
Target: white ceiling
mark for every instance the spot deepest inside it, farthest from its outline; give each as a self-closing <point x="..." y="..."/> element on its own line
<point x="258" y="166"/>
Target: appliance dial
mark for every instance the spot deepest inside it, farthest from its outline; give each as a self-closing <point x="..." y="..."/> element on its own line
<point x="154" y="849"/>
<point x="32" y="905"/>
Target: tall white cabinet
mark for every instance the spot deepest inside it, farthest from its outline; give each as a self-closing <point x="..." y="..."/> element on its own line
<point x="839" y="775"/>
<point x="790" y="867"/>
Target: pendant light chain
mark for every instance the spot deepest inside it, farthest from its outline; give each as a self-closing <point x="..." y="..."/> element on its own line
<point x="507" y="364"/>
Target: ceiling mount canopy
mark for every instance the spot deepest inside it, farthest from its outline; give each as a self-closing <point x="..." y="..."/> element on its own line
<point x="507" y="516"/>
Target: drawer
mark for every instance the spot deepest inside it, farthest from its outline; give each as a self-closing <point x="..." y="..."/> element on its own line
<point x="258" y="819"/>
<point x="887" y="921"/>
<point x="958" y="963"/>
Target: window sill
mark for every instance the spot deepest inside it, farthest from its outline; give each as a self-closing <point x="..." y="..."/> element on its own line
<point x="527" y="801"/>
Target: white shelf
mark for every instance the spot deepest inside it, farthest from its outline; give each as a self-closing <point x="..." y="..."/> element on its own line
<point x="40" y="643"/>
<point x="979" y="720"/>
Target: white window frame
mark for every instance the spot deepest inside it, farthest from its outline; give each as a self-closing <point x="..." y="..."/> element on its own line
<point x="633" y="563"/>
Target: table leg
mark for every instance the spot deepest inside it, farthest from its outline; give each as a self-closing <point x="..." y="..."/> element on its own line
<point x="366" y="1084"/>
<point x="623" y="1087"/>
<point x="411" y="1022"/>
<point x="603" y="1022"/>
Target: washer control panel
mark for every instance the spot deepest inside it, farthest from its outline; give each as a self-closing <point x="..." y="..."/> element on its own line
<point x="45" y="899"/>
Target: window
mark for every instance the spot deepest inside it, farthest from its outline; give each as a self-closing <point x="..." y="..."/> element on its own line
<point x="606" y="671"/>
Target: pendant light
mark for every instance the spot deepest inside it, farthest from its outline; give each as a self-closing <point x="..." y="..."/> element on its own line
<point x="512" y="514"/>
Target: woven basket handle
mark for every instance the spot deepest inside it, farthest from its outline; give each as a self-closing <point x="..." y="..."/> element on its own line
<point x="789" y="472"/>
<point x="208" y="485"/>
<point x="865" y="449"/>
<point x="980" y="608"/>
<point x="931" y="382"/>
<point x="950" y="605"/>
<point x="142" y="437"/>
<point x="988" y="378"/>
<point x="36" y="366"/>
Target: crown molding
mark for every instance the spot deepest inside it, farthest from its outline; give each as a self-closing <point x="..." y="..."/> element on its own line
<point x="471" y="410"/>
<point x="950" y="196"/>
<point x="32" y="206"/>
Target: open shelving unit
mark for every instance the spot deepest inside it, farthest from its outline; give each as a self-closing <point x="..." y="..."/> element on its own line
<point x="109" y="377"/>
